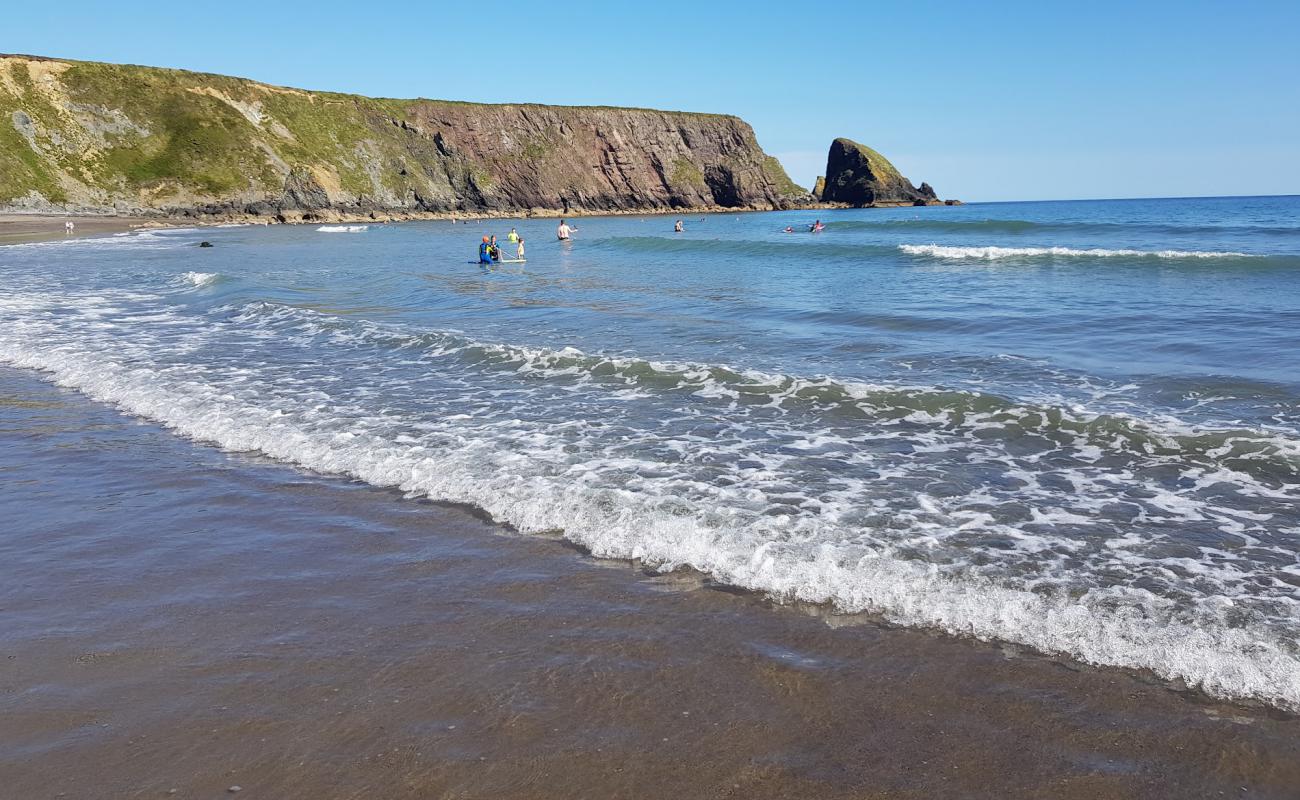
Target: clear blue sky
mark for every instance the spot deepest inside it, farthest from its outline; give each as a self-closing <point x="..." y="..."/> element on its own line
<point x="986" y="101"/>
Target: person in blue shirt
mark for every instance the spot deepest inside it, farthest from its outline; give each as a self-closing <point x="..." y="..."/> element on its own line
<point x="485" y="252"/>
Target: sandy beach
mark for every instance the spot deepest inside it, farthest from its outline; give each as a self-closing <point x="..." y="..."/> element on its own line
<point x="16" y="228"/>
<point x="168" y="632"/>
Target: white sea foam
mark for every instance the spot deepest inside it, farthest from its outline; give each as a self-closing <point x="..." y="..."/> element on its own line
<point x="127" y="239"/>
<point x="343" y="228"/>
<point x="200" y="278"/>
<point x="547" y="475"/>
<point x="992" y="253"/>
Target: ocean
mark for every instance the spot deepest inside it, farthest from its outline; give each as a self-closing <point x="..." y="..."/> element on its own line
<point x="1072" y="427"/>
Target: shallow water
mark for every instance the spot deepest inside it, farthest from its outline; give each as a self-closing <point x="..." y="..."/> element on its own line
<point x="1072" y="426"/>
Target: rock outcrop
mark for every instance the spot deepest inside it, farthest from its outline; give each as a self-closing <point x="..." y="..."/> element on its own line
<point x="95" y="138"/>
<point x="859" y="176"/>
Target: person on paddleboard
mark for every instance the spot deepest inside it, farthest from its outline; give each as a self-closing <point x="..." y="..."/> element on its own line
<point x="562" y="233"/>
<point x="816" y="227"/>
<point x="519" y="253"/>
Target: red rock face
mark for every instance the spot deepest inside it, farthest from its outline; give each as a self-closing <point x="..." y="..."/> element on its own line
<point x="576" y="159"/>
<point x="296" y="154"/>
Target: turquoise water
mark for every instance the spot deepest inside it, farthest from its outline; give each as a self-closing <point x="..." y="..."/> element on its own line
<point x="1073" y="426"/>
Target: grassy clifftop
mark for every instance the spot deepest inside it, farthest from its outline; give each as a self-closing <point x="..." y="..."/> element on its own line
<point x="97" y="137"/>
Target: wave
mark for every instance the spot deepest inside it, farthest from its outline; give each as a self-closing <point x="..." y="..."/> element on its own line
<point x="1272" y="455"/>
<point x="992" y="253"/>
<point x="956" y="226"/>
<point x="801" y="246"/>
<point x="1125" y="627"/>
<point x="343" y="228"/>
<point x="200" y="279"/>
<point x="1018" y="226"/>
<point x="526" y="474"/>
<point x="126" y="239"/>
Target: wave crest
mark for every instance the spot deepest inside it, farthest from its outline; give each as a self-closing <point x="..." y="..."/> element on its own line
<point x="993" y="253"/>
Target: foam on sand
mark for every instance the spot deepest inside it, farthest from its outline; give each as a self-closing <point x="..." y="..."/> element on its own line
<point x="539" y="475"/>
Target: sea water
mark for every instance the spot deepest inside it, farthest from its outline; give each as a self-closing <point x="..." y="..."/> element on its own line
<point x="1073" y="426"/>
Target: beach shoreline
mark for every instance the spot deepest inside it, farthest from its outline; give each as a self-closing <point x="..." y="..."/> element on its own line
<point x="189" y="619"/>
<point x="16" y="227"/>
<point x="19" y="228"/>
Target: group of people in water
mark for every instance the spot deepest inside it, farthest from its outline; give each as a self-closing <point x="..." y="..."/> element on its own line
<point x="489" y="252"/>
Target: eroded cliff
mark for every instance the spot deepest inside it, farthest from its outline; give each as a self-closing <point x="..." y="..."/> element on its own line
<point x="92" y="137"/>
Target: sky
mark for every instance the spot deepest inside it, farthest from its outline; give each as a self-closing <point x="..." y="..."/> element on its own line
<point x="985" y="101"/>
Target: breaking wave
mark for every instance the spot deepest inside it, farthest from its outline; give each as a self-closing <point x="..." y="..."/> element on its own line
<point x="200" y="279"/>
<point x="730" y="491"/>
<point x="992" y="253"/>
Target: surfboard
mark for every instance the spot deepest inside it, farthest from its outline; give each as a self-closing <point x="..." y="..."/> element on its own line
<point x="512" y="261"/>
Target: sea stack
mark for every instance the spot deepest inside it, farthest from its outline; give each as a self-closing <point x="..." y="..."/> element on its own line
<point x="859" y="176"/>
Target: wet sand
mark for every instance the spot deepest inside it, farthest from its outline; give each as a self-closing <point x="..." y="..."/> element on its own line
<point x="15" y="228"/>
<point x="173" y="617"/>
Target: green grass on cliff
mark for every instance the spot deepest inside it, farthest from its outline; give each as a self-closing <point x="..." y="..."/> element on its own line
<point x="145" y="134"/>
<point x="881" y="167"/>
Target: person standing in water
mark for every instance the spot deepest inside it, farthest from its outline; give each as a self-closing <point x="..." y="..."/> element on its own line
<point x="493" y="250"/>
<point x="562" y="232"/>
<point x="677" y="227"/>
<point x="513" y="236"/>
<point x="519" y="254"/>
<point x="485" y="252"/>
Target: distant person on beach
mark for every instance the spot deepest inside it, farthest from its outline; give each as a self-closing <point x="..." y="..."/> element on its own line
<point x="485" y="251"/>
<point x="513" y="236"/>
<point x="562" y="232"/>
<point x="69" y="226"/>
<point x="677" y="228"/>
<point x="519" y="251"/>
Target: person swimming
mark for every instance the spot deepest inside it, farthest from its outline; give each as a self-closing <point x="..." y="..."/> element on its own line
<point x="789" y="229"/>
<point x="485" y="251"/>
<point x="816" y="227"/>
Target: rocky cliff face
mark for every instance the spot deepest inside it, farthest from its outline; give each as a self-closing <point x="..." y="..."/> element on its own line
<point x="90" y="137"/>
<point x="859" y="176"/>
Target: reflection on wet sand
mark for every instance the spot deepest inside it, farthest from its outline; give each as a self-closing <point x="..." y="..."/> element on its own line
<point x="178" y="618"/>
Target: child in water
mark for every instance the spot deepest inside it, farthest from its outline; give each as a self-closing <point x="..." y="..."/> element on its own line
<point x="520" y="254"/>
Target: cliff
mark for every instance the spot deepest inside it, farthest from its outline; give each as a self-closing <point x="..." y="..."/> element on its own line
<point x="104" y="138"/>
<point x="859" y="176"/>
